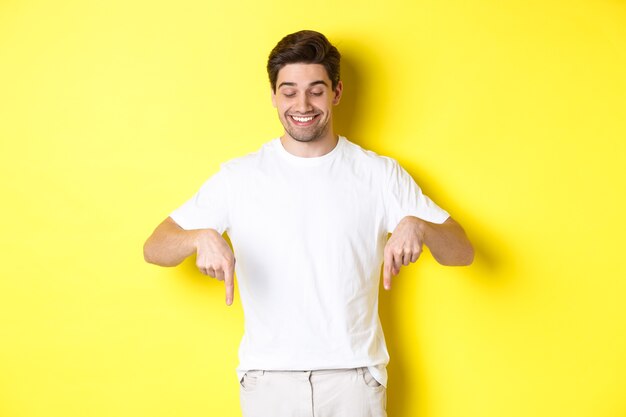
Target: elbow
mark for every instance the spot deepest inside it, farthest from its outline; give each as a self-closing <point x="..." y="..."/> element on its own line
<point x="462" y="257"/>
<point x="152" y="256"/>
<point x="465" y="253"/>
<point x="148" y="254"/>
<point x="465" y="256"/>
<point x="468" y="257"/>
<point x="456" y="248"/>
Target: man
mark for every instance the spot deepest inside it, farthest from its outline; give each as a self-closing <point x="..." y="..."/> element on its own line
<point x="308" y="216"/>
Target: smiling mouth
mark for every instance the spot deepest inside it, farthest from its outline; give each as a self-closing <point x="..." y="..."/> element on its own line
<point x="304" y="120"/>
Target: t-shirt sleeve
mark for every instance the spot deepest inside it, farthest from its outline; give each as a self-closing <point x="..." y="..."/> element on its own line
<point x="403" y="197"/>
<point x="207" y="208"/>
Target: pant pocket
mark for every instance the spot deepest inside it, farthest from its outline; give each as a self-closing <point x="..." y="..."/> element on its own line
<point x="250" y="380"/>
<point x="369" y="379"/>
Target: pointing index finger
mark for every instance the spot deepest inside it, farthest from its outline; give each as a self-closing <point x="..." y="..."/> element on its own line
<point x="229" y="282"/>
<point x="387" y="272"/>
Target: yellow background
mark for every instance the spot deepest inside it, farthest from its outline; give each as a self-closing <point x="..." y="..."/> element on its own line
<point x="511" y="115"/>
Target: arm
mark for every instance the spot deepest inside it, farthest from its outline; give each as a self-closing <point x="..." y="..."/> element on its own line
<point x="170" y="244"/>
<point x="447" y="242"/>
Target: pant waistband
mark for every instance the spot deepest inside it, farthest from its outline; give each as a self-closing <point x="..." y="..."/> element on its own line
<point x="307" y="374"/>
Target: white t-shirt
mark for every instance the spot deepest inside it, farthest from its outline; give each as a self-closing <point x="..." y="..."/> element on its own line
<point x="308" y="236"/>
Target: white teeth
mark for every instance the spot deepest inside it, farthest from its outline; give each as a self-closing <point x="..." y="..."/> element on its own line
<point x="302" y="119"/>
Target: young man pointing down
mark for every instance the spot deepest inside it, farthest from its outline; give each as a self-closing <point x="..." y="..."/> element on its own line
<point x="308" y="215"/>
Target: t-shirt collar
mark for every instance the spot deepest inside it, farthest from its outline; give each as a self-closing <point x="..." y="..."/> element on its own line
<point x="316" y="160"/>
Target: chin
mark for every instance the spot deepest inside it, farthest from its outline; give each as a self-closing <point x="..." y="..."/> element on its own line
<point x="305" y="139"/>
<point x="310" y="137"/>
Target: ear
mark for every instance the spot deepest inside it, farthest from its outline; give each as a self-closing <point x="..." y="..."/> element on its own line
<point x="338" y="91"/>
<point x="273" y="97"/>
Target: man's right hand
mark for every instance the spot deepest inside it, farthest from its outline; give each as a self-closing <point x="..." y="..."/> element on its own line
<point x="170" y="244"/>
<point x="215" y="259"/>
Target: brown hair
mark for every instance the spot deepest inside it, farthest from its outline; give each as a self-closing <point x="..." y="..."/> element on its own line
<point x="308" y="47"/>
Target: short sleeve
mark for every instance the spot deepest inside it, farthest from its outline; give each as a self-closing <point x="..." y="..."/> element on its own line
<point x="403" y="197"/>
<point x="207" y="208"/>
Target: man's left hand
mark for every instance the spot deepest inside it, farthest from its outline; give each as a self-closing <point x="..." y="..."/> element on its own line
<point x="403" y="247"/>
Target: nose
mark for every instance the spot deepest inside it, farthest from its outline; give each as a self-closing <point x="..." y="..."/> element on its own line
<point x="303" y="104"/>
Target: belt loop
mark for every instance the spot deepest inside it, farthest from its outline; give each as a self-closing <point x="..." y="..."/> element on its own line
<point x="359" y="371"/>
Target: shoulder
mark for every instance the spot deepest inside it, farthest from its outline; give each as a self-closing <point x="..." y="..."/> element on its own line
<point x="369" y="159"/>
<point x="248" y="162"/>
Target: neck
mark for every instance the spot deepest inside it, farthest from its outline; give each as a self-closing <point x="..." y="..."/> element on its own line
<point x="314" y="148"/>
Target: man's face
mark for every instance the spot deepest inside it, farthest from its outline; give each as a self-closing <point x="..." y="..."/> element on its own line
<point x="304" y="99"/>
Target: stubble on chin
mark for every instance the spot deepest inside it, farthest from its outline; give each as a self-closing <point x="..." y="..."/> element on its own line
<point x="304" y="136"/>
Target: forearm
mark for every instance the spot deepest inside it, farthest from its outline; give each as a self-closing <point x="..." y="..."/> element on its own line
<point x="448" y="243"/>
<point x="169" y="244"/>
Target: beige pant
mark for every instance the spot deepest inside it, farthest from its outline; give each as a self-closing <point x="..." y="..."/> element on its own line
<point x="323" y="393"/>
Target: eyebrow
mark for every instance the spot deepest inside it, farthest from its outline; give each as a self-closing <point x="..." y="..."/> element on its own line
<point x="292" y="84"/>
